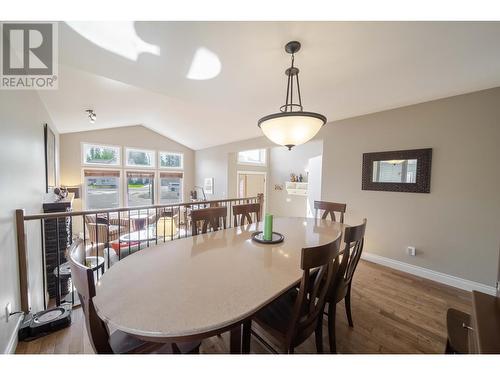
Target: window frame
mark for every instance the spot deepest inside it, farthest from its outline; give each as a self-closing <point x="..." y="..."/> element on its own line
<point x="125" y="185"/>
<point x="84" y="185"/>
<point x="159" y="187"/>
<point x="153" y="162"/>
<point x="259" y="164"/>
<point x="181" y="168"/>
<point x="97" y="165"/>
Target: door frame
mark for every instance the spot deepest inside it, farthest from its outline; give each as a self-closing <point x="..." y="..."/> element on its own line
<point x="240" y="172"/>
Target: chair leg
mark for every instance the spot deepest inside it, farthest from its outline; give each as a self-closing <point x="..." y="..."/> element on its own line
<point x="448" y="349"/>
<point x="247" y="335"/>
<point x="319" y="335"/>
<point x="331" y="327"/>
<point x="348" y="306"/>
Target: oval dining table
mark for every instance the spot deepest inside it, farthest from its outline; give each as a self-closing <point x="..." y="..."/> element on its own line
<point x="196" y="287"/>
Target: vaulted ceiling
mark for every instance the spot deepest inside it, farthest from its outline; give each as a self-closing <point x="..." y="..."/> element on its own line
<point x="142" y="72"/>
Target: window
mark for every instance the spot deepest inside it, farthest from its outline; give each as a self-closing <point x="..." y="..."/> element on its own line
<point x="100" y="154"/>
<point x="102" y="189"/>
<point x="140" y="158"/>
<point x="256" y="157"/>
<point x="140" y="188"/>
<point x="170" y="187"/>
<point x="172" y="160"/>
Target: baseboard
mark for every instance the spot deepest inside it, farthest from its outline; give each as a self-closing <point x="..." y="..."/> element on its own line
<point x="12" y="344"/>
<point x="426" y="273"/>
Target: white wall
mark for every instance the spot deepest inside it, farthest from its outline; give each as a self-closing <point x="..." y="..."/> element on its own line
<point x="22" y="185"/>
<point x="455" y="228"/>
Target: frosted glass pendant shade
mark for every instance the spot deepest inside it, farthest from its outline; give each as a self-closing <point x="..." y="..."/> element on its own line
<point x="291" y="128"/>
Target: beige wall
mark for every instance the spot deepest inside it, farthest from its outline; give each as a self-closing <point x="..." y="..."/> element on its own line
<point x="131" y="136"/>
<point x="220" y="163"/>
<point x="22" y="185"/>
<point x="456" y="228"/>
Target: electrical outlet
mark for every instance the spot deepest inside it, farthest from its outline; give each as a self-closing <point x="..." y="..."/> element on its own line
<point x="411" y="251"/>
<point x="8" y="310"/>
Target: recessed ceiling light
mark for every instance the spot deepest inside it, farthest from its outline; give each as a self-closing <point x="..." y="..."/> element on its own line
<point x="205" y="65"/>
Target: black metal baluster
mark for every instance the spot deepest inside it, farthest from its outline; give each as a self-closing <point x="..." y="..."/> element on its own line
<point x="44" y="268"/>
<point x="107" y="243"/>
<point x="139" y="232"/>
<point x="58" y="286"/>
<point x="119" y="237"/>
<point x="129" y="224"/>
<point x="147" y="227"/>
<point x="164" y="225"/>
<point x="97" y="246"/>
<point x="156" y="226"/>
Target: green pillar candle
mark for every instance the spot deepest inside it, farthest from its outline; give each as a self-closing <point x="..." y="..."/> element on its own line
<point x="268" y="227"/>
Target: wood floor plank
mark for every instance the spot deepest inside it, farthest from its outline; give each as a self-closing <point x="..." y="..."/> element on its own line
<point x="393" y="312"/>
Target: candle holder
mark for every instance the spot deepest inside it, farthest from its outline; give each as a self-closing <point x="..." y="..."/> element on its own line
<point x="259" y="237"/>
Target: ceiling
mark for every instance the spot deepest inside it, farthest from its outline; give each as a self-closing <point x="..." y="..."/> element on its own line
<point x="134" y="73"/>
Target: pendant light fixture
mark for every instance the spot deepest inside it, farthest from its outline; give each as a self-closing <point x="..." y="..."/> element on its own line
<point x="291" y="126"/>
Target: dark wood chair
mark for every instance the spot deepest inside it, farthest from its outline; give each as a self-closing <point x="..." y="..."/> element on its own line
<point x="208" y="217"/>
<point x="101" y="340"/>
<point x="294" y="316"/>
<point x="329" y="208"/>
<point x="244" y="212"/>
<point x="457" y="323"/>
<point x="340" y="286"/>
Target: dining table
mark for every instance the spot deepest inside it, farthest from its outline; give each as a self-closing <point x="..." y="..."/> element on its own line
<point x="196" y="287"/>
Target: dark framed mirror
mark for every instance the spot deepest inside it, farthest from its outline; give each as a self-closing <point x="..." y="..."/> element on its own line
<point x="407" y="171"/>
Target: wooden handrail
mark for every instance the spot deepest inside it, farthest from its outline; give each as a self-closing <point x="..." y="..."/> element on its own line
<point x="54" y="215"/>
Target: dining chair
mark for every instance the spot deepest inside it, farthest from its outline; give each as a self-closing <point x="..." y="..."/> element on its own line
<point x="329" y="208"/>
<point x="294" y="316"/>
<point x="340" y="286"/>
<point x="101" y="340"/>
<point x="208" y="217"/>
<point x="457" y="323"/>
<point x="242" y="212"/>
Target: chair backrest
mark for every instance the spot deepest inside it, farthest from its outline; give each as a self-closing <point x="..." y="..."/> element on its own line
<point x="330" y="208"/>
<point x="354" y="238"/>
<point x="211" y="216"/>
<point x="244" y="211"/>
<point x="318" y="264"/>
<point x="83" y="279"/>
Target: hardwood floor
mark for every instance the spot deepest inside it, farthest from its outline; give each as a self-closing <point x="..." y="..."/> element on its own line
<point x="393" y="312"/>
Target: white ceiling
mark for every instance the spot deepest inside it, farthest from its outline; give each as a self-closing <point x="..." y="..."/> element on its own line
<point x="347" y="69"/>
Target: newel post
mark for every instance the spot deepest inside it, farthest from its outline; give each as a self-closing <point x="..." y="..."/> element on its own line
<point x="22" y="259"/>
<point x="260" y="199"/>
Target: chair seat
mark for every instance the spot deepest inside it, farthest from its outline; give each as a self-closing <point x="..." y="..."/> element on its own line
<point x="457" y="333"/>
<point x="122" y="343"/>
<point x="276" y="316"/>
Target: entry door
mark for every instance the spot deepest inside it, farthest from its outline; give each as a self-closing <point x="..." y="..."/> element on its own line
<point x="251" y="184"/>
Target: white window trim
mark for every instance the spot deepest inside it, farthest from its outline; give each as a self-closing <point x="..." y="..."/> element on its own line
<point x="84" y="186"/>
<point x="158" y="199"/>
<point x="181" y="168"/>
<point x="97" y="165"/>
<point x="125" y="185"/>
<point x="153" y="152"/>
<point x="258" y="164"/>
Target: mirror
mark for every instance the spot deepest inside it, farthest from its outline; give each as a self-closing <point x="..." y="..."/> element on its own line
<point x="405" y="171"/>
<point x="400" y="171"/>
